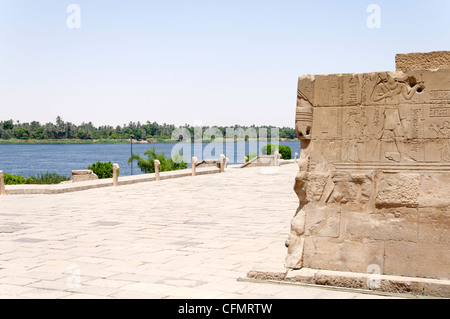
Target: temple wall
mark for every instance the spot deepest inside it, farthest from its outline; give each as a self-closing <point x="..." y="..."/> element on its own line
<point x="422" y="61"/>
<point x="374" y="173"/>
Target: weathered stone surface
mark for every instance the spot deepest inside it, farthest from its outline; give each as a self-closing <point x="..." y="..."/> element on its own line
<point x="369" y="281"/>
<point x="2" y="184"/>
<point x="83" y="175"/>
<point x="421" y="259"/>
<point x="374" y="171"/>
<point x="419" y="61"/>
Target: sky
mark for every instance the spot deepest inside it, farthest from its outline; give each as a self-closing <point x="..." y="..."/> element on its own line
<point x="205" y="62"/>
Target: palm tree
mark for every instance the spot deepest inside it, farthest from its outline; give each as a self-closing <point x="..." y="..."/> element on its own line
<point x="147" y="165"/>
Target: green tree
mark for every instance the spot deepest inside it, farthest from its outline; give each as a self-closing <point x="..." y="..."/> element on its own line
<point x="285" y="151"/>
<point x="8" y="125"/>
<point x="147" y="165"/>
<point x="102" y="169"/>
<point x="21" y="133"/>
<point x="82" y="135"/>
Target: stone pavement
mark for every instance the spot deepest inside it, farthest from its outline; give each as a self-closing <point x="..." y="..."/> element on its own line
<point x="190" y="237"/>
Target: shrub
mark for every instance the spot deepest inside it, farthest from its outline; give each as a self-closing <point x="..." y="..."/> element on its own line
<point x="14" y="179"/>
<point x="40" y="178"/>
<point x="285" y="151"/>
<point x="102" y="169"/>
<point x="46" y="178"/>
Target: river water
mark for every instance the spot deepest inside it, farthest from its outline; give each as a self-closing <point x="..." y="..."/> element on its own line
<point x="30" y="159"/>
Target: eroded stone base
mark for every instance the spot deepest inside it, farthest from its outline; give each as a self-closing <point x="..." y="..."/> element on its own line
<point x="397" y="222"/>
<point x="366" y="281"/>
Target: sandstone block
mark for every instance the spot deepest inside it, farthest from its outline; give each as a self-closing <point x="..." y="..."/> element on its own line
<point x="374" y="170"/>
<point x="83" y="175"/>
<point x="420" y="61"/>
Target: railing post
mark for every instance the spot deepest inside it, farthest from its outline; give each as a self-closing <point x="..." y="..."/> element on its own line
<point x="222" y="163"/>
<point x="115" y="174"/>
<point x="2" y="184"/>
<point x="245" y="159"/>
<point x="193" y="168"/>
<point x="295" y="157"/>
<point x="226" y="162"/>
<point x="275" y="158"/>
<point x="157" y="163"/>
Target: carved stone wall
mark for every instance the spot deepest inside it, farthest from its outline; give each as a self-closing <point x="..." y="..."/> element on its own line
<point x="374" y="178"/>
<point x="421" y="61"/>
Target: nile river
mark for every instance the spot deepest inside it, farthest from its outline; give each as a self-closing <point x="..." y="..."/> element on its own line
<point x="30" y="159"/>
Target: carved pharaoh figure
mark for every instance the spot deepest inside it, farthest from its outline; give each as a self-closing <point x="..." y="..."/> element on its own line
<point x="389" y="87"/>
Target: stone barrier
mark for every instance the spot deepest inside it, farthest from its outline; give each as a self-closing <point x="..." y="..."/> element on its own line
<point x="2" y="184"/>
<point x="157" y="164"/>
<point x="83" y="175"/>
<point x="193" y="167"/>
<point x="115" y="174"/>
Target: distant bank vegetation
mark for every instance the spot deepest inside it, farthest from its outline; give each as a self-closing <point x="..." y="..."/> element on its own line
<point x="66" y="132"/>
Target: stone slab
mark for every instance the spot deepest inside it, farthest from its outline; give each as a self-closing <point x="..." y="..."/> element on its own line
<point x="354" y="280"/>
<point x="420" y="61"/>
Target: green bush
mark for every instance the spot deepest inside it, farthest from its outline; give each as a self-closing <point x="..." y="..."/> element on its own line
<point x="40" y="178"/>
<point x="285" y="151"/>
<point x="14" y="179"/>
<point x="102" y="169"/>
<point x="251" y="156"/>
<point x="46" y="178"/>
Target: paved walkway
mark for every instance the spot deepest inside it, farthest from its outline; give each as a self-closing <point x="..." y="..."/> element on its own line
<point x="190" y="237"/>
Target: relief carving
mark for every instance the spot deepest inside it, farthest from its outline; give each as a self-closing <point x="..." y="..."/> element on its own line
<point x="375" y="148"/>
<point x="389" y="87"/>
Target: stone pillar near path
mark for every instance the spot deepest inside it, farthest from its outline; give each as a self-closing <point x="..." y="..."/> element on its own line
<point x="295" y="157"/>
<point x="222" y="163"/>
<point x="193" y="167"/>
<point x="276" y="156"/>
<point x="115" y="174"/>
<point x="157" y="163"/>
<point x="2" y="184"/>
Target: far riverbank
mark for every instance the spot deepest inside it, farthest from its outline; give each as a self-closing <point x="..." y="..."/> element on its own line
<point x="119" y="141"/>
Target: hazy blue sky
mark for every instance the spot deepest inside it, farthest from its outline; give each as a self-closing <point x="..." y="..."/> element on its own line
<point x="219" y="62"/>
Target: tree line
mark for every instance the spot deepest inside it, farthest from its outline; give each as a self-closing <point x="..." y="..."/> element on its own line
<point x="87" y="131"/>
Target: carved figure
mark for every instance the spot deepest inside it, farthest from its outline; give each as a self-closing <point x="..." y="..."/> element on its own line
<point x="390" y="87"/>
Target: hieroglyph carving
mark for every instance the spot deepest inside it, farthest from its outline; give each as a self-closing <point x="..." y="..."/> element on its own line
<point x="374" y="166"/>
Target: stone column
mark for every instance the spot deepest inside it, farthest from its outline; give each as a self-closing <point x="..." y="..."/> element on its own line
<point x="157" y="163"/>
<point x="245" y="159"/>
<point x="226" y="162"/>
<point x="295" y="157"/>
<point x="193" y="168"/>
<point x="222" y="163"/>
<point x="2" y="184"/>
<point x="115" y="174"/>
<point x="275" y="158"/>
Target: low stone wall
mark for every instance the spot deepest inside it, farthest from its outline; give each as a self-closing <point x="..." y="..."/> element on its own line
<point x="93" y="184"/>
<point x="83" y="175"/>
